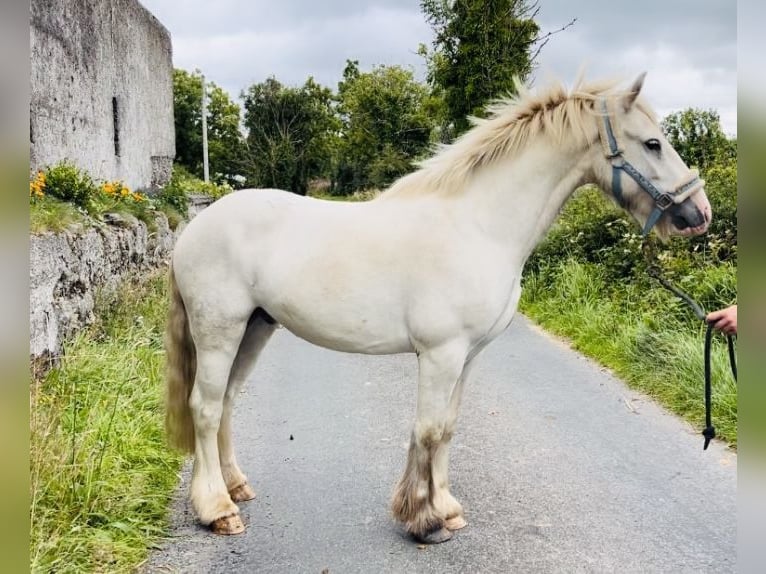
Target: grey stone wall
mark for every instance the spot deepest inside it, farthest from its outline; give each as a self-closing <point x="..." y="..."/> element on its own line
<point x="102" y="90"/>
<point x="67" y="269"/>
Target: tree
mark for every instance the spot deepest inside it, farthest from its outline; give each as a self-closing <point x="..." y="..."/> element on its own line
<point x="479" y="47"/>
<point x="698" y="138"/>
<point x="225" y="141"/>
<point x="291" y="133"/>
<point x="386" y="125"/>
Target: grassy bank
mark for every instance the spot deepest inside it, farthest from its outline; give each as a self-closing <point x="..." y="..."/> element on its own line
<point x="637" y="333"/>
<point x="588" y="282"/>
<point x="101" y="475"/>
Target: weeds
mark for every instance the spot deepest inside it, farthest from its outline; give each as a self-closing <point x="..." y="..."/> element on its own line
<point x="101" y="475"/>
<point x="51" y="214"/>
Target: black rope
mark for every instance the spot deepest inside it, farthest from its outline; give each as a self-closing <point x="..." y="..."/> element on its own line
<point x="652" y="269"/>
<point x="709" y="431"/>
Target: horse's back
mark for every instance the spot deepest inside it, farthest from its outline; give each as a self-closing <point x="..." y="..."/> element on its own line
<point x="364" y="277"/>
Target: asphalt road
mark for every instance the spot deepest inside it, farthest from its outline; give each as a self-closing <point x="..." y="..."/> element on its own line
<point x="559" y="467"/>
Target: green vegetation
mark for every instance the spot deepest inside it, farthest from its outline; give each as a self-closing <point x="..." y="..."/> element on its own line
<point x="387" y="121"/>
<point x="50" y="214"/>
<point x="226" y="147"/>
<point x="641" y="333"/>
<point x="697" y="136"/>
<point x="101" y="475"/>
<point x="478" y="49"/>
<point x="175" y="195"/>
<point x="292" y="133"/>
<point x="64" y="196"/>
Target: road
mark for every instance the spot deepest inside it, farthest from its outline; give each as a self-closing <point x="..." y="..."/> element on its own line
<point x="559" y="467"/>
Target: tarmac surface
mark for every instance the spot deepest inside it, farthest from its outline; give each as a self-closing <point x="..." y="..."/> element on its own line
<point x="559" y="467"/>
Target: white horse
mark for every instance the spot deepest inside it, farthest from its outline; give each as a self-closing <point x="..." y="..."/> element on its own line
<point x="431" y="267"/>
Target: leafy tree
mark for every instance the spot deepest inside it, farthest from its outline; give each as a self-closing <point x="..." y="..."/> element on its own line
<point x="291" y="133"/>
<point x="225" y="141"/>
<point x="479" y="46"/>
<point x="698" y="138"/>
<point x="386" y="125"/>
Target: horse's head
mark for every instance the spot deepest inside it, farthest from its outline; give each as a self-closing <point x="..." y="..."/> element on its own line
<point x="643" y="172"/>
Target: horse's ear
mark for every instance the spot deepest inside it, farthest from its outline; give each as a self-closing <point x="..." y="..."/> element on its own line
<point x="630" y="98"/>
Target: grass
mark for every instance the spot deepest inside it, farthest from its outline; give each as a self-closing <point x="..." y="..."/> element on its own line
<point x="51" y="214"/>
<point x="642" y="334"/>
<point x="101" y="476"/>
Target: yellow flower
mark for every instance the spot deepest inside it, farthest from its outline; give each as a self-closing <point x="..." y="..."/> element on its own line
<point x="37" y="185"/>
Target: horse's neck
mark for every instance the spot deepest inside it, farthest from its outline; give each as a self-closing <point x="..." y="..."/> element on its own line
<point x="517" y="201"/>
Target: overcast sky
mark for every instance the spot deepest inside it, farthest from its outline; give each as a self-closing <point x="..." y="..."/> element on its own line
<point x="689" y="47"/>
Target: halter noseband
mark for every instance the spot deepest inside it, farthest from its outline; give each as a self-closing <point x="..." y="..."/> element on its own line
<point x="614" y="153"/>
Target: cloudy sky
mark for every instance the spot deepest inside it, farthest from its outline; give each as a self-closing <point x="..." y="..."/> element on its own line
<point x="689" y="47"/>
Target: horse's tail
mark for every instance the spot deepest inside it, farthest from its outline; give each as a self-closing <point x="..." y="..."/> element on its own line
<point x="181" y="367"/>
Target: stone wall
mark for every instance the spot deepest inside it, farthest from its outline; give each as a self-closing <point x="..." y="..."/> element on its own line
<point x="102" y="90"/>
<point x="67" y="270"/>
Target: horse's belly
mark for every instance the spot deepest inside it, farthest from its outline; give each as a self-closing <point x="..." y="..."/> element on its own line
<point x="356" y="322"/>
<point x="356" y="337"/>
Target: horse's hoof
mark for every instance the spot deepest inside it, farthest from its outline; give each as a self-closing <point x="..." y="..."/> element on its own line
<point x="455" y="523"/>
<point x="228" y="525"/>
<point x="435" y="536"/>
<point x="242" y="493"/>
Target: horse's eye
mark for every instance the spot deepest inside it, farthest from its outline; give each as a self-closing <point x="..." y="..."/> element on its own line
<point x="653" y="145"/>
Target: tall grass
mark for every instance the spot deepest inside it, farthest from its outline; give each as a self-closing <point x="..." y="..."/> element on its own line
<point x="101" y="475"/>
<point x="51" y="214"/>
<point x="641" y="332"/>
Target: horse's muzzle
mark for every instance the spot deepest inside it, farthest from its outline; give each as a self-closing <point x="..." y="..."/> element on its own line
<point x="688" y="218"/>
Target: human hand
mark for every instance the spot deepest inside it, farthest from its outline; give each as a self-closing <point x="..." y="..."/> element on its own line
<point x="724" y="320"/>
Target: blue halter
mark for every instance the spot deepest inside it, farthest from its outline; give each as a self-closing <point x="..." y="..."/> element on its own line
<point x="662" y="200"/>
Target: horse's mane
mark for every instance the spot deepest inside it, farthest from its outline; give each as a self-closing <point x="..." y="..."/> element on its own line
<point x="563" y="116"/>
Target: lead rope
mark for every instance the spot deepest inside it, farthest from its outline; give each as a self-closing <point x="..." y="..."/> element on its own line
<point x="654" y="272"/>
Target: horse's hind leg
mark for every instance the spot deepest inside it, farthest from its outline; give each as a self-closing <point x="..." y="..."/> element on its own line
<point x="259" y="330"/>
<point x="416" y="496"/>
<point x="216" y="343"/>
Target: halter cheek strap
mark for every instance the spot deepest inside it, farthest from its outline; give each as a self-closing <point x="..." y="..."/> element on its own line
<point x="614" y="153"/>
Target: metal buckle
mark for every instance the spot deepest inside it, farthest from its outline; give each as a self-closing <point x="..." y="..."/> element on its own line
<point x="616" y="159"/>
<point x="664" y="201"/>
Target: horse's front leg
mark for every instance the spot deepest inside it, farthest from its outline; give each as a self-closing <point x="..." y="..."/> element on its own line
<point x="443" y="500"/>
<point x="418" y="502"/>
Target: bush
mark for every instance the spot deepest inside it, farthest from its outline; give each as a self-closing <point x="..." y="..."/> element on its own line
<point x="182" y="184"/>
<point x="67" y="182"/>
<point x="174" y="195"/>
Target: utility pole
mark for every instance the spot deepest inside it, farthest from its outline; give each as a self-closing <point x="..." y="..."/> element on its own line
<point x="205" y="168"/>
